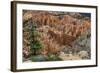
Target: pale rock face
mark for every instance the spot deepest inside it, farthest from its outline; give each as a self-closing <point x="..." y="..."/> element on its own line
<point x="70" y="56"/>
<point x="27" y="16"/>
<point x="83" y="54"/>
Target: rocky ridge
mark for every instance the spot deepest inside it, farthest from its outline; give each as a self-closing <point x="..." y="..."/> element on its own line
<point x="58" y="31"/>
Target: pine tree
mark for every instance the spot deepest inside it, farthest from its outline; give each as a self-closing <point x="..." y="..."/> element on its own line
<point x="34" y="42"/>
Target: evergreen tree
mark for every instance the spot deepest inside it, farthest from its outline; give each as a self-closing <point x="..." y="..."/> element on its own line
<point x="34" y="42"/>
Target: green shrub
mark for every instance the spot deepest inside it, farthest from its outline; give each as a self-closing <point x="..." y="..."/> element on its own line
<point x="34" y="42"/>
<point x="38" y="58"/>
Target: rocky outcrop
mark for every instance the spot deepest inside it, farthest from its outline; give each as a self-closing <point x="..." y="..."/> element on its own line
<point x="56" y="29"/>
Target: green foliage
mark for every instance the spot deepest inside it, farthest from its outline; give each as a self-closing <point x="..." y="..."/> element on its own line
<point x="34" y="42"/>
<point x="38" y="58"/>
<point x="53" y="58"/>
<point x="36" y="45"/>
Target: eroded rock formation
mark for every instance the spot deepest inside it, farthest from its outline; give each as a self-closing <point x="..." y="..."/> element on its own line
<point x="56" y="30"/>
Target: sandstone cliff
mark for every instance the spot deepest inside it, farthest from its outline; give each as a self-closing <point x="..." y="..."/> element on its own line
<point x="58" y="31"/>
